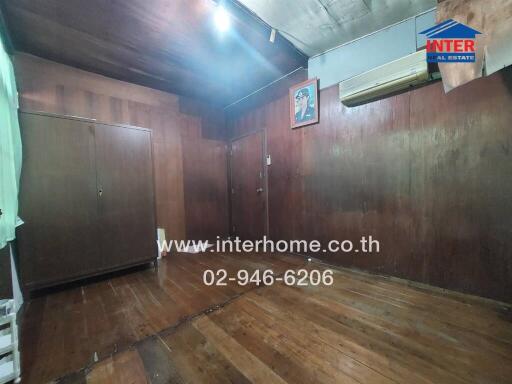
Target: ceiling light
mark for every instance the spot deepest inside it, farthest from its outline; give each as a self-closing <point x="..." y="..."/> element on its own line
<point x="222" y="19"/>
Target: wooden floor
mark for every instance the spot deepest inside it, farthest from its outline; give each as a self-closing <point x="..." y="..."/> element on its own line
<point x="165" y="326"/>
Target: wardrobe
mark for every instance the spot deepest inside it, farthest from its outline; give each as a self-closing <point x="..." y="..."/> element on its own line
<point x="86" y="199"/>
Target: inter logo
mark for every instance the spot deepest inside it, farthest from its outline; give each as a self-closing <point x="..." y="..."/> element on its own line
<point x="451" y="42"/>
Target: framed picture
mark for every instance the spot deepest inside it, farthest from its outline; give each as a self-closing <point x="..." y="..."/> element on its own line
<point x="304" y="103"/>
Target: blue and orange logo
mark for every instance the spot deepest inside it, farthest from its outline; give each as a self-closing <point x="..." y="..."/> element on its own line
<point x="451" y="42"/>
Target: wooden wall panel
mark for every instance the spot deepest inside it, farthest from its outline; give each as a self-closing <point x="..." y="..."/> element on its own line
<point x="426" y="173"/>
<point x="464" y="183"/>
<point x="205" y="182"/>
<point x="50" y="87"/>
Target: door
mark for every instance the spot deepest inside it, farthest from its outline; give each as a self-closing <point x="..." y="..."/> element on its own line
<point x="57" y="199"/>
<point x="126" y="205"/>
<point x="248" y="187"/>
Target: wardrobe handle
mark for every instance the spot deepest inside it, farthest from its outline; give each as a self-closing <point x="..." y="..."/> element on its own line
<point x="100" y="191"/>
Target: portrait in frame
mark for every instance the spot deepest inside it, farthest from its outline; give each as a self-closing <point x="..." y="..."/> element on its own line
<point x="304" y="103"/>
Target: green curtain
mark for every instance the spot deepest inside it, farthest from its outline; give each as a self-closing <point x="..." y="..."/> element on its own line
<point x="10" y="149"/>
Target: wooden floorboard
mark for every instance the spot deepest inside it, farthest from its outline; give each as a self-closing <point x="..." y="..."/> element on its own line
<point x="166" y="326"/>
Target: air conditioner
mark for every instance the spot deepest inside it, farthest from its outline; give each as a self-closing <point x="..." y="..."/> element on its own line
<point x="389" y="78"/>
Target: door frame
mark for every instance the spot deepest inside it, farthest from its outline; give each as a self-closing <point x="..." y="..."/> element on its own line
<point x="265" y="184"/>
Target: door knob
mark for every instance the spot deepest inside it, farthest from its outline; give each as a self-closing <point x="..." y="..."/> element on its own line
<point x="259" y="190"/>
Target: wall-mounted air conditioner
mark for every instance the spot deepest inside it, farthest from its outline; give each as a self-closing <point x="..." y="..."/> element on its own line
<point x="392" y="77"/>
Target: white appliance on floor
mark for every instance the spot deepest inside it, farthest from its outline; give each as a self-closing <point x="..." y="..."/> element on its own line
<point x="9" y="353"/>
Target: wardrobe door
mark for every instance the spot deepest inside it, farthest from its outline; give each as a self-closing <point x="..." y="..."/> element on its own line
<point x="58" y="241"/>
<point x="126" y="208"/>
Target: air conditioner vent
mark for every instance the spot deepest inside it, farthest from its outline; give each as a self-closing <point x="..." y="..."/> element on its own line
<point x="388" y="78"/>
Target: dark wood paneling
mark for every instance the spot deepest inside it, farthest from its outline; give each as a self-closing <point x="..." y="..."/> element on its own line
<point x="126" y="204"/>
<point x="167" y="45"/>
<point x="57" y="200"/>
<point x="426" y="173"/>
<point x="213" y="125"/>
<point x="464" y="184"/>
<point x="5" y="273"/>
<point x="50" y="87"/>
<point x="248" y="187"/>
<point x="267" y="95"/>
<point x="205" y="186"/>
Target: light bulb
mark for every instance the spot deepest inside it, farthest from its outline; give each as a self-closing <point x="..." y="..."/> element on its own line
<point x="222" y="19"/>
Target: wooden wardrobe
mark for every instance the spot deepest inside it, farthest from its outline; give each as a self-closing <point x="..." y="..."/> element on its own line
<point x="86" y="197"/>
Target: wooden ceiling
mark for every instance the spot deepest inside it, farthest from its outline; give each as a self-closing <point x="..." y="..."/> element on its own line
<point x="171" y="45"/>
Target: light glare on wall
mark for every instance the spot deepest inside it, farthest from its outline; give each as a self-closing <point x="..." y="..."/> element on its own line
<point x="222" y="19"/>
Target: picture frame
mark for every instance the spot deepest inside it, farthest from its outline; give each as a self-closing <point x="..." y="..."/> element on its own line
<point x="304" y="103"/>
